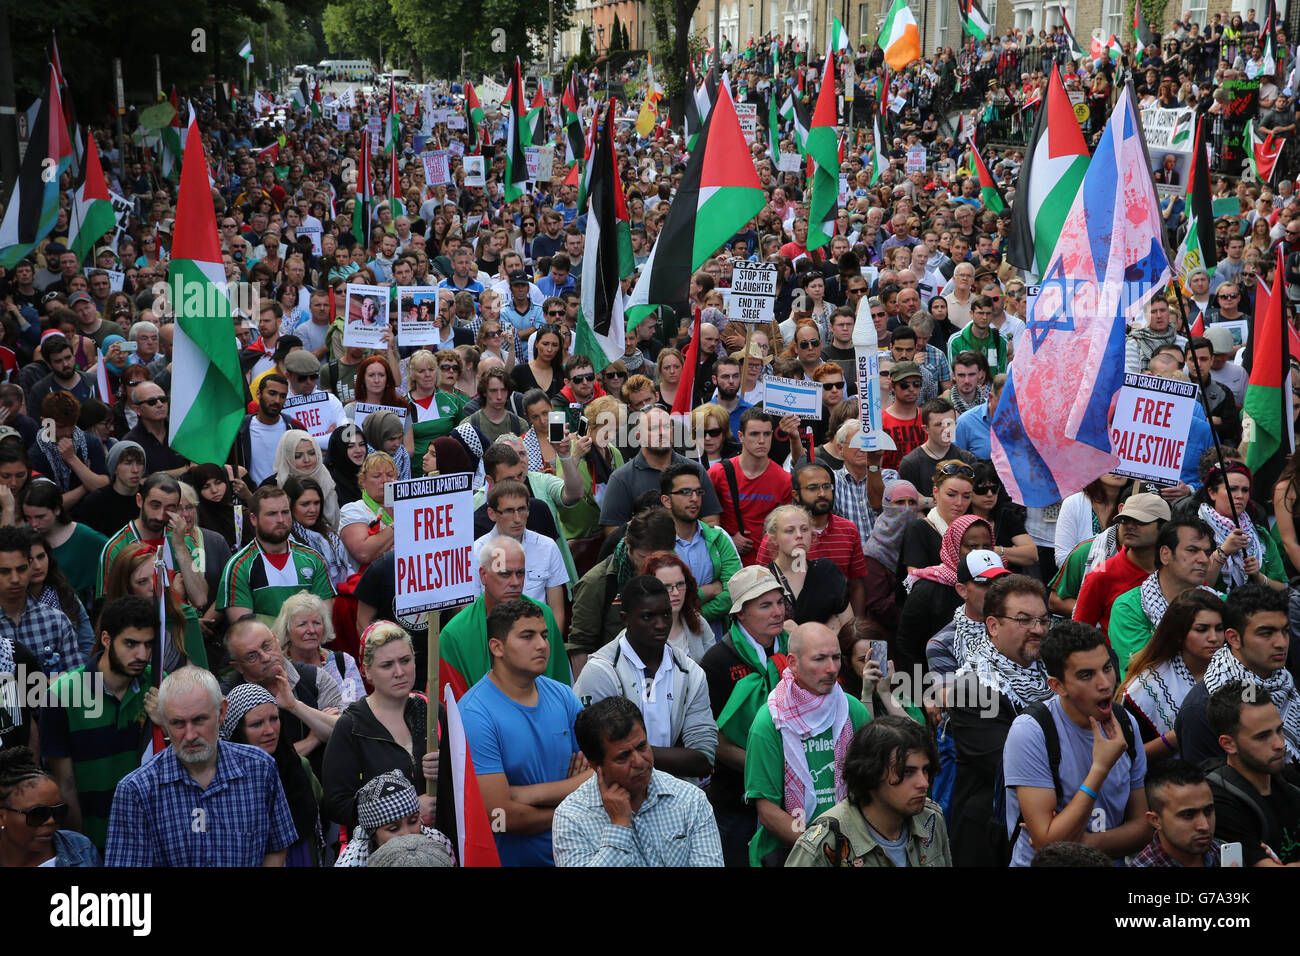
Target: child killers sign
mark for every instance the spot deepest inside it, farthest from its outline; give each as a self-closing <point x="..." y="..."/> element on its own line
<point x="433" y="523"/>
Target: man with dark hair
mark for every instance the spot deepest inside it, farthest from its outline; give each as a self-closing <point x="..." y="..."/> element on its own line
<point x="707" y="550"/>
<point x="26" y="621"/>
<point x="1184" y="558"/>
<point x="1071" y="770"/>
<point x="667" y="685"/>
<point x="596" y="616"/>
<point x="159" y="502"/>
<point x="726" y="394"/>
<point x="519" y="727"/>
<point x="917" y="466"/>
<point x="260" y="576"/>
<point x="886" y="817"/>
<point x="630" y="813"/>
<point x="1257" y="640"/>
<point x="259" y="434"/>
<point x="580" y="384"/>
<point x="91" y="741"/>
<point x="1182" y="814"/>
<point x="64" y="375"/>
<point x="1140" y="519"/>
<point x="751" y="485"/>
<point x="1254" y="804"/>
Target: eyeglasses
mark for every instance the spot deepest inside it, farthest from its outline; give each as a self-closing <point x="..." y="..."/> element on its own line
<point x="675" y="587"/>
<point x="38" y="815"/>
<point x="810" y="343"/>
<point x="1024" y="620"/>
<point x="954" y="468"/>
<point x="827" y="386"/>
<point x="151" y="402"/>
<point x="557" y="313"/>
<point x="307" y="378"/>
<point x="987" y="489"/>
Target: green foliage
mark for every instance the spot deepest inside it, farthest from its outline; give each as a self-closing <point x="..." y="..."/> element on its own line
<point x="627" y="44"/>
<point x="439" y="30"/>
<point x="1154" y="11"/>
<point x="615" y="37"/>
<point x="584" y="45"/>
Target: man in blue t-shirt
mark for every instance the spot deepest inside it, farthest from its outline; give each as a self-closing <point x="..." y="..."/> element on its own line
<point x="519" y="727"/>
<point x="1103" y="802"/>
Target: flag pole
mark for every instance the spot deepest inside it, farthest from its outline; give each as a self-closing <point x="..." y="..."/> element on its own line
<point x="1205" y="401"/>
<point x="431" y="718"/>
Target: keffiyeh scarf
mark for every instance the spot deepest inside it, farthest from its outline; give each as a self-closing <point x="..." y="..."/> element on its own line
<point x="1158" y="692"/>
<point x="801" y="715"/>
<point x="950" y="552"/>
<point x="62" y="473"/>
<point x="976" y="654"/>
<point x="1280" y="686"/>
<point x="1234" y="569"/>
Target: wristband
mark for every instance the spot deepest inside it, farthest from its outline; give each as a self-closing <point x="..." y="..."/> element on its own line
<point x="1083" y="787"/>
<point x="559" y="457"/>
<point x="1167" y="743"/>
<point x="1222" y="554"/>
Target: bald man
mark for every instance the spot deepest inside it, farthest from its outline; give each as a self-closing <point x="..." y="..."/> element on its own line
<point x="463" y="648"/>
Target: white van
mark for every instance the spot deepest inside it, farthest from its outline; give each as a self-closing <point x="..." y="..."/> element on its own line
<point x="346" y="69"/>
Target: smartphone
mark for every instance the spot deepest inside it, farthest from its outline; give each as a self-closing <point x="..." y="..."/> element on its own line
<point x="574" y="415"/>
<point x="1230" y="855"/>
<point x="880" y="654"/>
<point x="582" y="427"/>
<point x="129" y="347"/>
<point x="555" y="422"/>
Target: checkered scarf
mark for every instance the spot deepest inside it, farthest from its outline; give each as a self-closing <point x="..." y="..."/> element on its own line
<point x="799" y="715"/>
<point x="1234" y="569"/>
<point x="1280" y="687"/>
<point x="241" y="699"/>
<point x="385" y="798"/>
<point x="977" y="654"/>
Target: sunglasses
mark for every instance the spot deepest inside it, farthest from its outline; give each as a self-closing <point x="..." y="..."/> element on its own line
<point x="955" y="468"/>
<point x="449" y="368"/>
<point x="810" y="343"/>
<point x="151" y="402"/>
<point x="987" y="489"/>
<point x="307" y="378"/>
<point x="38" y="815"/>
<point x="616" y="374"/>
<point x="827" y="386"/>
<point x="712" y="432"/>
<point x="908" y="383"/>
<point x="492" y="335"/>
<point x="579" y="379"/>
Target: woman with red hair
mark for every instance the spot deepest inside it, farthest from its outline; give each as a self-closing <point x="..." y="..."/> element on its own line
<point x="690" y="633"/>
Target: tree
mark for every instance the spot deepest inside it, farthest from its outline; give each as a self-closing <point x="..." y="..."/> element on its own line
<point x="439" y="30"/>
<point x="615" y="37"/>
<point x="672" y="20"/>
<point x="627" y="44"/>
<point x="584" y="44"/>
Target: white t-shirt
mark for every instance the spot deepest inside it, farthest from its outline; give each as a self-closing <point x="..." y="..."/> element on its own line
<point x="543" y="564"/>
<point x="263" y="440"/>
<point x="355" y="512"/>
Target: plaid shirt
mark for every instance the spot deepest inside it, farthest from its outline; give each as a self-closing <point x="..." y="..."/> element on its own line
<point x="1153" y="854"/>
<point x="161" y="817"/>
<point x="937" y="363"/>
<point x="47" y="633"/>
<point x="674" y="827"/>
<point x="851" y="500"/>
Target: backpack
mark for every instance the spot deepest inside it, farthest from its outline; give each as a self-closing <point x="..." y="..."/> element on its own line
<point x="1263" y="815"/>
<point x="1040" y="712"/>
<point x="729" y="469"/>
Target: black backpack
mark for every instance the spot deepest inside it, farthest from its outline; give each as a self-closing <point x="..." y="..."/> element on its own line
<point x="1040" y="712"/>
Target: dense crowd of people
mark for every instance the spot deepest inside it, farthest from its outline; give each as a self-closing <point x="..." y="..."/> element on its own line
<point x="720" y="637"/>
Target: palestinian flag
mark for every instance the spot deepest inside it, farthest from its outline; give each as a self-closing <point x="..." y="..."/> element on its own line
<point x="588" y="151"/>
<point x="793" y="111"/>
<point x="899" y="37"/>
<point x="77" y="168"/>
<point x="707" y="94"/>
<point x="92" y="209"/>
<point x="270" y="154"/>
<point x="315" y="101"/>
<point x="1141" y="29"/>
<point x="879" y="162"/>
<point x="839" y="36"/>
<point x="1268" y="41"/>
<point x="773" y="131"/>
<point x="361" y="210"/>
<point x="823" y="148"/>
<point x="207" y="385"/>
<point x="474" y="836"/>
<point x="32" y="205"/>
<point x="173" y="142"/>
<point x="1076" y="51"/>
<point x="246" y="50"/>
<point x="537" y="119"/>
<point x="1267" y="421"/>
<point x="301" y="95"/>
<point x="692" y="118"/>
<point x="474" y="116"/>
<point x="1050" y="178"/>
<point x="719" y="193"/>
<point x="1263" y="302"/>
<point x="990" y="195"/>
<point x="1113" y="48"/>
<point x="601" y="333"/>
<point x="974" y="22"/>
<point x="516" y="177"/>
<point x="1262" y="153"/>
<point x="573" y="135"/>
<point x="1197" y="250"/>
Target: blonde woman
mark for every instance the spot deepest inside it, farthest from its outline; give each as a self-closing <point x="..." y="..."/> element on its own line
<point x="303" y="628"/>
<point x="298" y="456"/>
<point x="366" y="526"/>
<point x="711" y="431"/>
<point x="789" y="529"/>
<point x="435" y="410"/>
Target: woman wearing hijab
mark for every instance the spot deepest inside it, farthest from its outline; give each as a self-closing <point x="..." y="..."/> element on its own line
<point x="216" y="500"/>
<point x="383" y="431"/>
<point x="885" y="594"/>
<point x="388" y="807"/>
<point x="343" y="458"/>
<point x="1241" y="550"/>
<point x="253" y="718"/>
<point x="933" y="590"/>
<point x="298" y="455"/>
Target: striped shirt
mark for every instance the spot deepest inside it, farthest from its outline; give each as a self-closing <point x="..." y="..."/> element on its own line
<point x="252" y="578"/>
<point x="839" y="542"/>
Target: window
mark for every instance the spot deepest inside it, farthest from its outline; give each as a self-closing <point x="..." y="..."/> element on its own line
<point x="1197" y="9"/>
<point x="864" y="20"/>
<point x="941" y="27"/>
<point x="1112" y="20"/>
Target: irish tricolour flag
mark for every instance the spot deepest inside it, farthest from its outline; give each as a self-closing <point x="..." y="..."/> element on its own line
<point x="207" y="387"/>
<point x="899" y="37"/>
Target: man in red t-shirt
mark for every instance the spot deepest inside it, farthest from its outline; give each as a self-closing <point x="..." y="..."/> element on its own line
<point x="903" y="420"/>
<point x="761" y="484"/>
<point x="1140" y="520"/>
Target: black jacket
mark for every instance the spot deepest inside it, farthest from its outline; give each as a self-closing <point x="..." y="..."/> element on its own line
<point x="241" y="452"/>
<point x="361" y="748"/>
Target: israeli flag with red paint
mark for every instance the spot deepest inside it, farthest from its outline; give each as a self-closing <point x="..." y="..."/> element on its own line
<point x="1051" y="430"/>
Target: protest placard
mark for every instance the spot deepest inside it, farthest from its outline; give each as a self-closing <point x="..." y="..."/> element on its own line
<point x="456" y="148"/>
<point x="789" y="162"/>
<point x="792" y="396"/>
<point x="367" y="316"/>
<point x="455" y="121"/>
<point x="916" y="160"/>
<point x="474" y="175"/>
<point x="374" y="124"/>
<point x="437" y="168"/>
<point x="417" y="313"/>
<point x="366" y="409"/>
<point x="539" y="160"/>
<point x="747" y="113"/>
<point x="752" y="296"/>
<point x="1153" y="417"/>
<point x="433" y="543"/>
<point x="310" y="411"/>
<point x="313" y="231"/>
<point x="342" y="121"/>
<point x="115" y="279"/>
